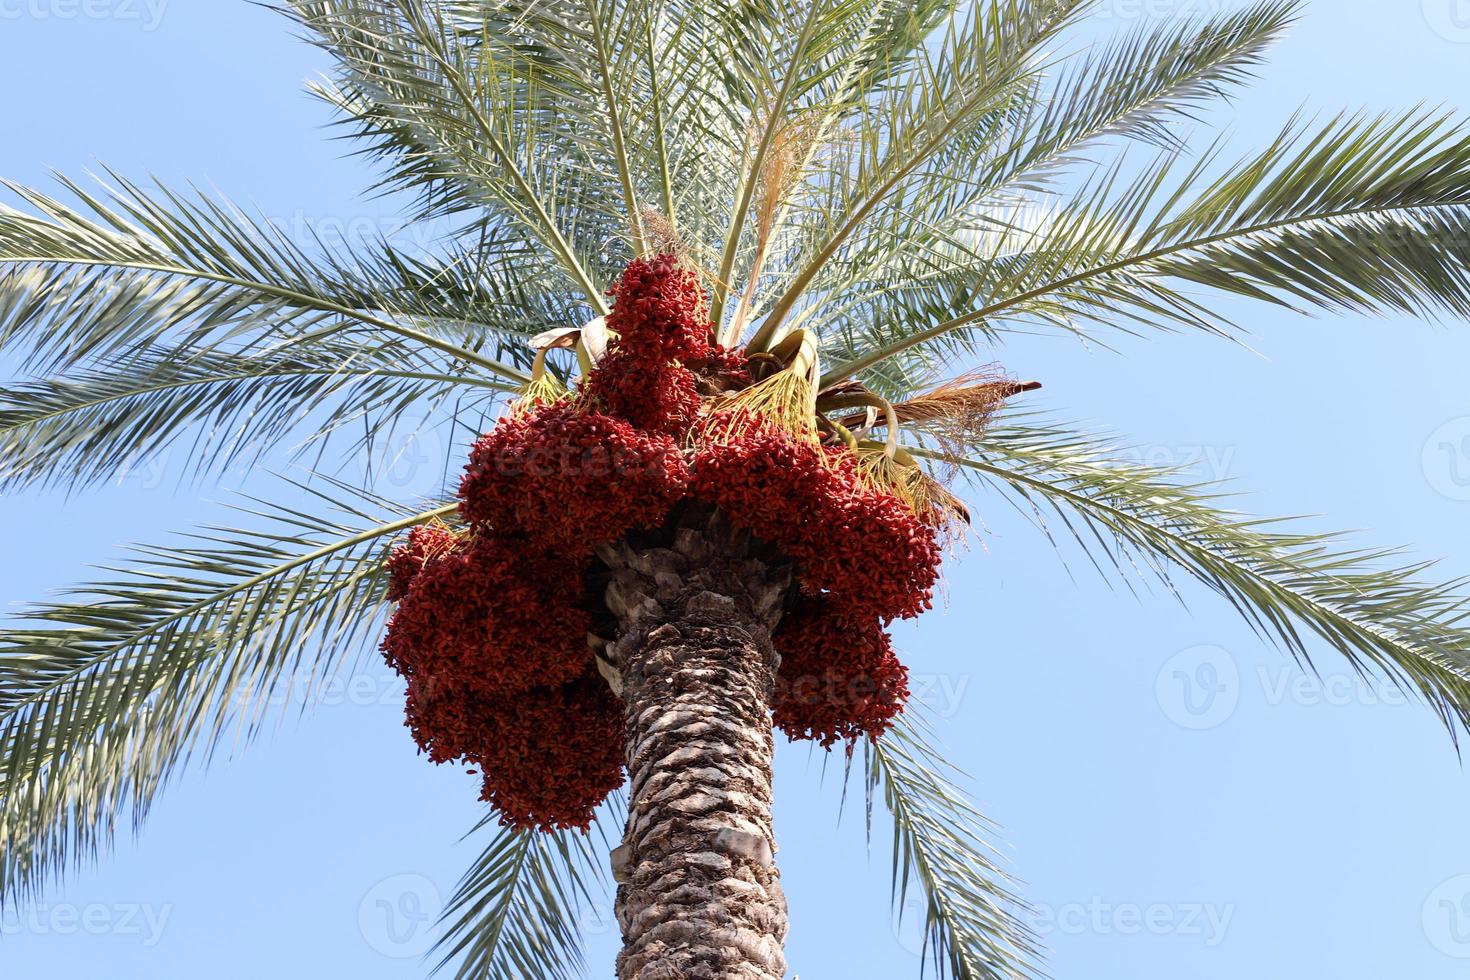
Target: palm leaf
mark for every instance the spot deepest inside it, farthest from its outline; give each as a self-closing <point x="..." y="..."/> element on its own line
<point x="1364" y="214"/>
<point x="973" y="928"/>
<point x="928" y="262"/>
<point x="515" y="911"/>
<point x="1288" y="584"/>
<point x="93" y="281"/>
<point x="94" y="424"/>
<point x="953" y="102"/>
<point x="104" y="695"/>
<point x="448" y="94"/>
<point x="1143" y="86"/>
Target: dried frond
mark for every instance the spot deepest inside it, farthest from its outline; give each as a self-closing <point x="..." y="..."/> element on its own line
<point x="968" y="401"/>
<point x="959" y="409"/>
<point x="662" y="237"/>
<point x="791" y="147"/>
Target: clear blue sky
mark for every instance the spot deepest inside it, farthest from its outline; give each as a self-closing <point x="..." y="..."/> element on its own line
<point x="1283" y="830"/>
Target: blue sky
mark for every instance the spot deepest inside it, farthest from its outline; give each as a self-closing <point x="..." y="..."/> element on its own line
<point x="1177" y="798"/>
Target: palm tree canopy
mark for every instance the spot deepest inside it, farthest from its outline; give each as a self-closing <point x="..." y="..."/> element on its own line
<point x="911" y="181"/>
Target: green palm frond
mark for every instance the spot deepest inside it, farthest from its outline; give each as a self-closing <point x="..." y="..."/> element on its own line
<point x="1287" y="584"/>
<point x="446" y="95"/>
<point x="1363" y="214"/>
<point x="947" y="109"/>
<point x="865" y="48"/>
<point x="515" y="912"/>
<point x="795" y="38"/>
<point x="131" y="269"/>
<point x="973" y="927"/>
<point x="1142" y="86"/>
<point x="104" y="695"/>
<point x="927" y="262"/>
<point x="93" y="424"/>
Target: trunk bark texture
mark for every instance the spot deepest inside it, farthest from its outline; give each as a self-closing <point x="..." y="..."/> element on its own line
<point x="699" y="895"/>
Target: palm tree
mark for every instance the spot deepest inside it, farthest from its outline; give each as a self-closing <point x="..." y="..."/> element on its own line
<point x="884" y="188"/>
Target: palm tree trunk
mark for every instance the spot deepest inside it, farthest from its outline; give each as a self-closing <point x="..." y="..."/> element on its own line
<point x="699" y="895"/>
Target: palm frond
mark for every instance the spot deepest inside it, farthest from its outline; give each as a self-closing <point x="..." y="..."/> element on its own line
<point x="452" y="97"/>
<point x="1363" y="214"/>
<point x="1289" y="585"/>
<point x="927" y="262"/>
<point x="1142" y="86"/>
<point x="93" y="424"/>
<point x="954" y="101"/>
<point x="973" y="928"/>
<point x="515" y="912"/>
<point x="779" y="91"/>
<point x="130" y="268"/>
<point x="106" y="694"/>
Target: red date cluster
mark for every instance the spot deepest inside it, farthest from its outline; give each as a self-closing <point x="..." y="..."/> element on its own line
<point x="567" y="478"/>
<point x="661" y="327"/>
<point x="849" y="539"/>
<point x="863" y="559"/>
<point x="840" y="679"/>
<point x="492" y="623"/>
<point x="491" y="637"/>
